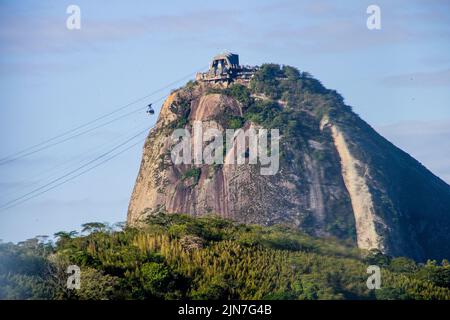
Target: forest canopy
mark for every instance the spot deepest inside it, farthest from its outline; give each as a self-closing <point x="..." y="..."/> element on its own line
<point x="181" y="257"/>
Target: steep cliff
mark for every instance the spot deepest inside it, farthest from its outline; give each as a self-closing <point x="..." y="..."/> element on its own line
<point x="337" y="176"/>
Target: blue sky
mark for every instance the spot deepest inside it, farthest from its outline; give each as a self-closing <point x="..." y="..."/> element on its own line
<point x="53" y="79"/>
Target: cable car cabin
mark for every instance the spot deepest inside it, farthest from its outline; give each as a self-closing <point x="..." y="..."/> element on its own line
<point x="150" y="109"/>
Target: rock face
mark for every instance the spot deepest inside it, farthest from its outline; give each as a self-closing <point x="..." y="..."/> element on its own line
<point x="337" y="176"/>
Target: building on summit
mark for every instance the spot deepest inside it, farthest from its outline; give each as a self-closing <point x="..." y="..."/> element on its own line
<point x="225" y="68"/>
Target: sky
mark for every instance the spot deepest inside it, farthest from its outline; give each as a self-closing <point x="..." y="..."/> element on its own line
<point x="53" y="79"/>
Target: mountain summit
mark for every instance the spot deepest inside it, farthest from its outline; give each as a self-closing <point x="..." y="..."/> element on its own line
<point x="337" y="176"/>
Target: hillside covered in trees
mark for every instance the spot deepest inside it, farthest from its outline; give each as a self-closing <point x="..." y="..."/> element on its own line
<point x="181" y="257"/>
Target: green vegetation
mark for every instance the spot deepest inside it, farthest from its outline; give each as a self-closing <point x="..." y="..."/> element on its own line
<point x="265" y="113"/>
<point x="240" y="93"/>
<point x="302" y="94"/>
<point x="282" y="97"/>
<point x="235" y="122"/>
<point x="177" y="256"/>
<point x="194" y="173"/>
<point x="306" y="100"/>
<point x="181" y="108"/>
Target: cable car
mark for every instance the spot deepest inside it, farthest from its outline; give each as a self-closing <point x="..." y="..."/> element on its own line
<point x="150" y="109"/>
